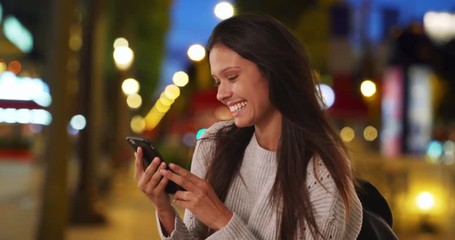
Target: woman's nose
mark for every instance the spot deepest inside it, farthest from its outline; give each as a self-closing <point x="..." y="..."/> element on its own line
<point x="223" y="92"/>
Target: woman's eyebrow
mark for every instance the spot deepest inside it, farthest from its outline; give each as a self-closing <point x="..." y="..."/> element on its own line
<point x="224" y="70"/>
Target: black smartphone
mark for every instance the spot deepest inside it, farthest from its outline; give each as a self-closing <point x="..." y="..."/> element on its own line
<point x="149" y="153"/>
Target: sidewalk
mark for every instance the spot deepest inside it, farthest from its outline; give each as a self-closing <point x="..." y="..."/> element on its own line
<point x="20" y="183"/>
<point x="129" y="214"/>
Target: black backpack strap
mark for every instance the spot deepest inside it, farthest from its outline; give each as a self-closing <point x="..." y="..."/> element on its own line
<point x="373" y="201"/>
<point x="377" y="216"/>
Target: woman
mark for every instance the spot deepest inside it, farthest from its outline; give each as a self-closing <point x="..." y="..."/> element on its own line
<point x="278" y="170"/>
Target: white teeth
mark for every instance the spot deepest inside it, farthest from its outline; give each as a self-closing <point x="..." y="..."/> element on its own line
<point x="237" y="106"/>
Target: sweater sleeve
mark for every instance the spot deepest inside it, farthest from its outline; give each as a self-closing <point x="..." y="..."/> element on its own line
<point x="331" y="215"/>
<point x="236" y="229"/>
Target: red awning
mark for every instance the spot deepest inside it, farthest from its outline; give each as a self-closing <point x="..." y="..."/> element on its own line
<point x="19" y="104"/>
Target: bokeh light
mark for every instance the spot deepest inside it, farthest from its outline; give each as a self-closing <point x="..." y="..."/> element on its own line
<point x="440" y="26"/>
<point x="196" y="52"/>
<point x="120" y="42"/>
<point x="137" y="124"/>
<point x="123" y="57"/>
<point x="223" y="10"/>
<point x="368" y="88"/>
<point x="15" y="67"/>
<point x="3" y="66"/>
<point x="18" y="34"/>
<point x="134" y="101"/>
<point x="180" y="78"/>
<point x="78" y="122"/>
<point x="347" y="134"/>
<point x="434" y="151"/>
<point x="130" y="86"/>
<point x="172" y="91"/>
<point x="370" y="133"/>
<point x="425" y="201"/>
<point x="328" y="95"/>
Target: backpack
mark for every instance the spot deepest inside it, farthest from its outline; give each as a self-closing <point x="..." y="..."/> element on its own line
<point x="377" y="216"/>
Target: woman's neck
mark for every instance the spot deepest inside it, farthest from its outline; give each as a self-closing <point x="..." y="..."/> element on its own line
<point x="268" y="135"/>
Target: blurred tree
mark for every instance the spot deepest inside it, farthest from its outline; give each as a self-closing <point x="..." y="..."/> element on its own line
<point x="85" y="199"/>
<point x="53" y="214"/>
<point x="144" y="23"/>
<point x="104" y="137"/>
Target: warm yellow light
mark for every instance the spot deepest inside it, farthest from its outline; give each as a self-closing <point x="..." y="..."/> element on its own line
<point x="370" y="133"/>
<point x="425" y="201"/>
<point x="347" y="134"/>
<point x="123" y="57"/>
<point x="120" y="42"/>
<point x="368" y="88"/>
<point x="161" y="107"/>
<point x="137" y="124"/>
<point x="223" y="10"/>
<point x="130" y="86"/>
<point x="75" y="42"/>
<point x="165" y="101"/>
<point x="3" y="66"/>
<point x="153" y="118"/>
<point x="134" y="100"/>
<point x="172" y="91"/>
<point x="180" y="78"/>
<point x="196" y="52"/>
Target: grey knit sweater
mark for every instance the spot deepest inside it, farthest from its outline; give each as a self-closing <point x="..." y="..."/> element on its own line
<point x="248" y="199"/>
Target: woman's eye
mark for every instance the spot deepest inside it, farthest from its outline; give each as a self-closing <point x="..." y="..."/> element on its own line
<point x="230" y="78"/>
<point x="216" y="84"/>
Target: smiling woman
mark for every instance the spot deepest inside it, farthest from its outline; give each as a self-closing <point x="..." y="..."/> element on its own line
<point x="278" y="163"/>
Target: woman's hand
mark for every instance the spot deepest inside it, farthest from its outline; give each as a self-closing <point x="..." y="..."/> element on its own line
<point x="199" y="197"/>
<point x="152" y="183"/>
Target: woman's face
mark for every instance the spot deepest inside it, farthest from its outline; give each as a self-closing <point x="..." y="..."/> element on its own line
<point x="242" y="88"/>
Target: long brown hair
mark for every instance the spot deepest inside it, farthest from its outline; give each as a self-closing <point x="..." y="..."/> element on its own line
<point x="306" y="130"/>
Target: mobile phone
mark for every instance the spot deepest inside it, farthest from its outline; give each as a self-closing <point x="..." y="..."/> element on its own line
<point x="149" y="153"/>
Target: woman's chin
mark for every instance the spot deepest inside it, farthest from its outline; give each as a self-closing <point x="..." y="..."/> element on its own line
<point x="241" y="124"/>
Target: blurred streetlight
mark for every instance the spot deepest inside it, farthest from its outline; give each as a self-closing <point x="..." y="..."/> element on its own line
<point x="137" y="124"/>
<point x="130" y="86"/>
<point x="120" y="42"/>
<point x="172" y="92"/>
<point x="368" y="88"/>
<point x="223" y="10"/>
<point x="347" y="134"/>
<point x="180" y="79"/>
<point x="123" y="55"/>
<point x="440" y="26"/>
<point x="196" y="52"/>
<point x="425" y="201"/>
<point x="134" y="100"/>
